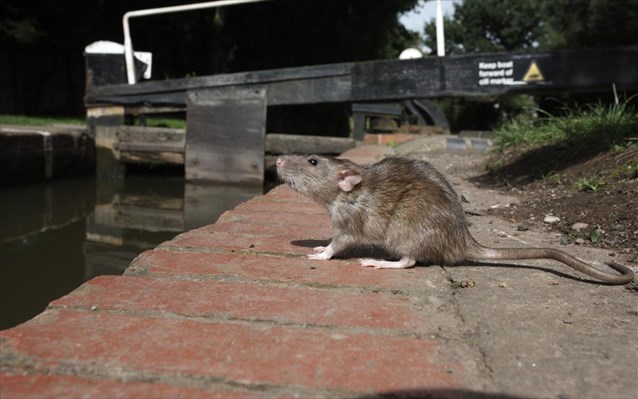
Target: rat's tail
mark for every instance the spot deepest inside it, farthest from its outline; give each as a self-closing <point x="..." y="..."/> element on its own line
<point x="481" y="253"/>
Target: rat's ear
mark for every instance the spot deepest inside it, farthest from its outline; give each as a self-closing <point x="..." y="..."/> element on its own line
<point x="348" y="178"/>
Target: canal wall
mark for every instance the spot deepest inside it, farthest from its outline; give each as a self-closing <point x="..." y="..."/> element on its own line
<point x="30" y="154"/>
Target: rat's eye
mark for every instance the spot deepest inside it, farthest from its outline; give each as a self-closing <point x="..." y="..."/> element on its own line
<point x="313" y="162"/>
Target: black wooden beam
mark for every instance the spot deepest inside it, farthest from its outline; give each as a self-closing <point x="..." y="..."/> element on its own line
<point x="467" y="76"/>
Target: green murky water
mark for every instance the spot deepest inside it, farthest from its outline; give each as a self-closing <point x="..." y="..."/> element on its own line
<point x="56" y="235"/>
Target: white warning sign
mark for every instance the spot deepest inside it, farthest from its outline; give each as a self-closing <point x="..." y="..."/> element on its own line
<point x="496" y="73"/>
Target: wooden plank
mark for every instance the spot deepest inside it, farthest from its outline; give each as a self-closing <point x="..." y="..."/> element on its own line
<point x="102" y="123"/>
<point x="147" y="157"/>
<point x="396" y="79"/>
<point x="468" y="75"/>
<point x="151" y="147"/>
<point x="226" y="135"/>
<point x="144" y="110"/>
<point x="310" y="91"/>
<point x="221" y="80"/>
<point x="380" y="109"/>
<point x="291" y="144"/>
<point x="144" y="134"/>
<point x="140" y="144"/>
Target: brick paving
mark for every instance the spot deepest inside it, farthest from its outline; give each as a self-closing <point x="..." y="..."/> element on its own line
<point x="235" y="309"/>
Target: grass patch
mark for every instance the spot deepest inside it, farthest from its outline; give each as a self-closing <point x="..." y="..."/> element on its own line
<point x="607" y="126"/>
<point x="39" y="120"/>
<point x="553" y="177"/>
<point x="174" y="123"/>
<point x="592" y="184"/>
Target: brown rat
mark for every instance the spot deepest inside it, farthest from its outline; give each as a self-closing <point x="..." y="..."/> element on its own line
<point x="409" y="209"/>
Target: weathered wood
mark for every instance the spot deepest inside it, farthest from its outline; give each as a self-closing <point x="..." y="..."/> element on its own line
<point x="226" y="135"/>
<point x="226" y="113"/>
<point x="290" y="144"/>
<point x="380" y="109"/>
<point x="222" y="80"/>
<point x="102" y="123"/>
<point x="144" y="110"/>
<point x="152" y="201"/>
<point x="148" y="157"/>
<point x="467" y="75"/>
<point x="140" y="144"/>
<point x="151" y="147"/>
<point x="144" y="134"/>
<point x="332" y="89"/>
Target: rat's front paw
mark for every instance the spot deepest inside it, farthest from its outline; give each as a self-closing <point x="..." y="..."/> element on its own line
<point x="322" y="253"/>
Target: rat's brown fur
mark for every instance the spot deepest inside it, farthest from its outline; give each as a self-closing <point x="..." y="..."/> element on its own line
<point x="407" y="208"/>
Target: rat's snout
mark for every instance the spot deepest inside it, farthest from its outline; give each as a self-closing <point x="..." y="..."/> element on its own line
<point x="280" y="162"/>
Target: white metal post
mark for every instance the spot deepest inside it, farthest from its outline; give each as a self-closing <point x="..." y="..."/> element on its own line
<point x="440" y="38"/>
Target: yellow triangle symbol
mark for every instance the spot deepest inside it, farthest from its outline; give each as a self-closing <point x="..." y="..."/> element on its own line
<point x="533" y="74"/>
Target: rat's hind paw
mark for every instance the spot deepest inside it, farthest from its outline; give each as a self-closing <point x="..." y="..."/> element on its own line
<point x="404" y="263"/>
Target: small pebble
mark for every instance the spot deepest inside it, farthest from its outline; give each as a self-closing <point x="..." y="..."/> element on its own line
<point x="579" y="241"/>
<point x="522" y="227"/>
<point x="579" y="226"/>
<point x="551" y="219"/>
<point x="564" y="241"/>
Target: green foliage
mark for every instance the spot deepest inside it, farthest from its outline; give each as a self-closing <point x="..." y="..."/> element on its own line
<point x="630" y="170"/>
<point x="592" y="184"/>
<point x="594" y="235"/>
<point x="590" y="23"/>
<point x="514" y="25"/>
<point x="490" y="25"/>
<point x="605" y="126"/>
<point x="530" y="131"/>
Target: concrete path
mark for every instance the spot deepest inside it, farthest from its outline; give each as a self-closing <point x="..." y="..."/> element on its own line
<point x="235" y="309"/>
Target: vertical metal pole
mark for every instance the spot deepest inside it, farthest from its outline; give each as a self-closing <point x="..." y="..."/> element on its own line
<point x="440" y="38"/>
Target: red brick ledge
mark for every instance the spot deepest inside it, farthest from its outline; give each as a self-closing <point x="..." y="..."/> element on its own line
<point x="235" y="309"/>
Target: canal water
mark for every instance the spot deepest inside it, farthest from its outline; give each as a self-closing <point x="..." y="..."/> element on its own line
<point x="56" y="235"/>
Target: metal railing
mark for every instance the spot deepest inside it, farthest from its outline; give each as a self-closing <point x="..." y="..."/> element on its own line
<point x="128" y="43"/>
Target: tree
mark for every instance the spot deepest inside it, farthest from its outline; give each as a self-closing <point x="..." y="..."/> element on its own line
<point x="490" y="25"/>
<point x="274" y="34"/>
<point x="591" y="23"/>
<point x="520" y="25"/>
<point x="288" y="33"/>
